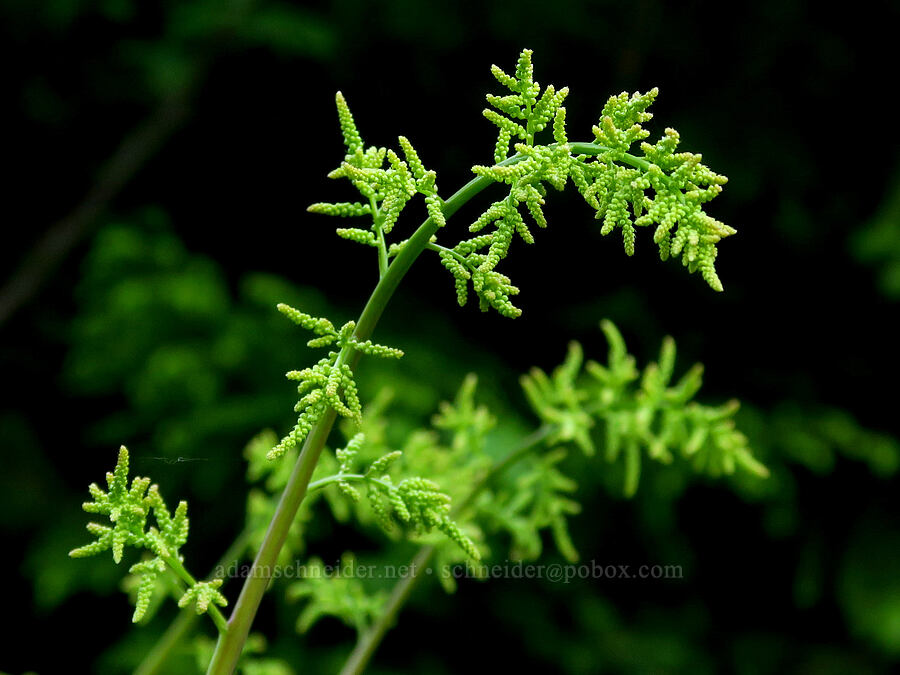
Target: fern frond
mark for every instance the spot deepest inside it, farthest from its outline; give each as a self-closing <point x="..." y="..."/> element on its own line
<point x="385" y="189"/>
<point x="149" y="572"/>
<point x="558" y="402"/>
<point x="352" y="139"/>
<point x="127" y="510"/>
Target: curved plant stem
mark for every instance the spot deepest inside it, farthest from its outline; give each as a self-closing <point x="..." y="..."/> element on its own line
<point x="231" y="641"/>
<point x="370" y="640"/>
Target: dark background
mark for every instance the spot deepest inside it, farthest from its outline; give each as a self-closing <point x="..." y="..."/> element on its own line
<point x="180" y="143"/>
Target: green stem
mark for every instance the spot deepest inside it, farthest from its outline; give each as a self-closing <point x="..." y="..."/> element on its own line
<point x="370" y="640"/>
<point x="231" y="642"/>
<point x="178" y="630"/>
<point x="345" y="478"/>
<point x="582" y="148"/>
<point x="379" y="233"/>
<point x="443" y="249"/>
<point x="382" y="255"/>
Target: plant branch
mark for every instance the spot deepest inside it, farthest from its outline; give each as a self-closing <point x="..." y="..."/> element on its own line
<point x="369" y="641"/>
<point x="437" y="248"/>
<point x="231" y="642"/>
<point x="178" y="630"/>
<point x="379" y="234"/>
<point x="346" y="477"/>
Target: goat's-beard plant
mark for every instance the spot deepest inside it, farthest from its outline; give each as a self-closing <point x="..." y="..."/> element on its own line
<point x="630" y="184"/>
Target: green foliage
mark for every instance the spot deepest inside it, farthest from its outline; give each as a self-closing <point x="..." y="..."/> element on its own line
<point x="159" y="325"/>
<point x="337" y="593"/>
<point x="202" y="594"/>
<point x="878" y="242"/>
<point x="187" y="358"/>
<point x="538" y="498"/>
<point x="128" y="510"/>
<point x="660" y="186"/>
<point x="528" y="490"/>
<point x="493" y="491"/>
<point x="817" y="438"/>
<point x="869" y="590"/>
<point x="639" y="411"/>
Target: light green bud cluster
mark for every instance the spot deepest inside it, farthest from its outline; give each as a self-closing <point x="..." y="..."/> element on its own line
<point x="128" y="510"/>
<point x="415" y="503"/>
<point x="657" y="186"/>
<point x="329" y="383"/>
<point x="202" y="594"/>
<point x="387" y="189"/>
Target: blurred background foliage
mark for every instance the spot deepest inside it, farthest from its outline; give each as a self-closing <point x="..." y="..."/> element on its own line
<point x="163" y="156"/>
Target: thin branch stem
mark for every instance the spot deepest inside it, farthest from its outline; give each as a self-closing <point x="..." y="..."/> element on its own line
<point x="132" y="154"/>
<point x="443" y="249"/>
<point x="231" y="642"/>
<point x="369" y="641"/>
<point x="379" y="235"/>
<point x="178" y="630"/>
<point x="348" y="478"/>
<point x="214" y="612"/>
<point x="174" y="636"/>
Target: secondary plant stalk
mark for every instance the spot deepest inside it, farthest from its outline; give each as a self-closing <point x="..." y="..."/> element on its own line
<point x="369" y="641"/>
<point x="231" y="641"/>
<point x="157" y="657"/>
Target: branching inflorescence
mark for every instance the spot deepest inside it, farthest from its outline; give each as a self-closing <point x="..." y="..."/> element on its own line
<point x="128" y="510"/>
<point x="530" y="491"/>
<point x="414" y="502"/>
<point x="630" y="184"/>
<point x="628" y="187"/>
<point x="329" y="383"/>
<point x="638" y="411"/>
